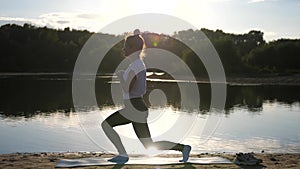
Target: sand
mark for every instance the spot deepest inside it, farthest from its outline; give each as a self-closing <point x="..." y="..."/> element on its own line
<point x="49" y="160"/>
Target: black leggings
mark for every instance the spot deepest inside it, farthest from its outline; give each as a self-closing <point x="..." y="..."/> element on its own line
<point x="141" y="129"/>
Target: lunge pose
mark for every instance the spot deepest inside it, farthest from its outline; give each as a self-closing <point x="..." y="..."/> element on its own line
<point x="133" y="83"/>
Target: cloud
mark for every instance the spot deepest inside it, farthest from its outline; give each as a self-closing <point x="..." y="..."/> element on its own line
<point x="63" y="22"/>
<point x="19" y="21"/>
<point x="60" y="20"/>
<point x="15" y="19"/>
<point x="271" y="35"/>
<point x="255" y="1"/>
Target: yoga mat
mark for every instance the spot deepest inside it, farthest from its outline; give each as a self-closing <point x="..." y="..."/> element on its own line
<point x="99" y="161"/>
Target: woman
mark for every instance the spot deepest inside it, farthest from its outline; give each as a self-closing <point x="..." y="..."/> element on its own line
<point x="133" y="82"/>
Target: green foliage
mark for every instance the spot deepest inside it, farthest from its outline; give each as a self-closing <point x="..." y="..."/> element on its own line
<point x="281" y="56"/>
<point x="31" y="49"/>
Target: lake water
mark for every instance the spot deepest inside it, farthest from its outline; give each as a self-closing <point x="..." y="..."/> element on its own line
<point x="37" y="115"/>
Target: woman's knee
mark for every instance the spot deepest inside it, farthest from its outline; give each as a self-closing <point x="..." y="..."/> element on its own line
<point x="147" y="142"/>
<point x="105" y="124"/>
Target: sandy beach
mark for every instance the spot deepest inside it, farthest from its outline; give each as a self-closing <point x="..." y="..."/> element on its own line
<point x="49" y="160"/>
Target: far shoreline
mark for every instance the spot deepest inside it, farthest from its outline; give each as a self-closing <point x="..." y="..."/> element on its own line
<point x="231" y="79"/>
<point x="248" y="80"/>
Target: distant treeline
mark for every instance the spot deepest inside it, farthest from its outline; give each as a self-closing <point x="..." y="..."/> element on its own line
<point x="40" y="49"/>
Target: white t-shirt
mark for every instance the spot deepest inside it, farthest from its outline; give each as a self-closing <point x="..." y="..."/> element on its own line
<point x="139" y="87"/>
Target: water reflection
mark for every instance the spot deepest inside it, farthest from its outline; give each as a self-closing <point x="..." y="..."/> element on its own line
<point x="53" y="132"/>
<point x="256" y="117"/>
<point x="30" y="96"/>
<point x="275" y="130"/>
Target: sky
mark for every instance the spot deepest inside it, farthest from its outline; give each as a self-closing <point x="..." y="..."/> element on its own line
<point x="276" y="18"/>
